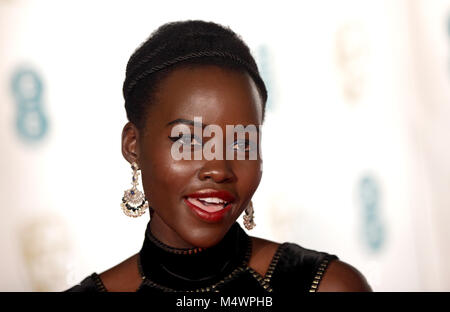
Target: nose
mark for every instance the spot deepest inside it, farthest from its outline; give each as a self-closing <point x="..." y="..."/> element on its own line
<point x="219" y="171"/>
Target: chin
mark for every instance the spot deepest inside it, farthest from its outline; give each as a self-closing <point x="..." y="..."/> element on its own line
<point x="206" y="236"/>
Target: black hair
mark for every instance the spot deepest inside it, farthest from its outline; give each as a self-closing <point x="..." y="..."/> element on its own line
<point x="183" y="43"/>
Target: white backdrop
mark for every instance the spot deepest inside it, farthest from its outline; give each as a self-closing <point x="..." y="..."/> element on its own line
<point x="355" y="147"/>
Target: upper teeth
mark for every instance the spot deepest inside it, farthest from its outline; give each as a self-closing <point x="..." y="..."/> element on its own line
<point x="213" y="200"/>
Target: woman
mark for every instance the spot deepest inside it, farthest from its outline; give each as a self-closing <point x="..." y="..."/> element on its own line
<point x="186" y="78"/>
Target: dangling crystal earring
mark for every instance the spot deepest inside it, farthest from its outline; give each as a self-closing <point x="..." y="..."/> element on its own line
<point x="249" y="223"/>
<point x="134" y="203"/>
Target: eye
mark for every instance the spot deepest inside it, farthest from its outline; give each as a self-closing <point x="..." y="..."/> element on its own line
<point x="187" y="139"/>
<point x="243" y="145"/>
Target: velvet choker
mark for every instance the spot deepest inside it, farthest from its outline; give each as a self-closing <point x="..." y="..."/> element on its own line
<point x="187" y="269"/>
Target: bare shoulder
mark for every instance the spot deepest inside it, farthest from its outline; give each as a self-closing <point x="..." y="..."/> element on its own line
<point x="263" y="251"/>
<point x="342" y="277"/>
<point x="124" y="277"/>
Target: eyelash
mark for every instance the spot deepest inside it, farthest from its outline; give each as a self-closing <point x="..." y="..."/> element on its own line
<point x="248" y="144"/>
<point x="177" y="138"/>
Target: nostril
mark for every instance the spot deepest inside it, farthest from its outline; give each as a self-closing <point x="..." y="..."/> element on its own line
<point x="216" y="174"/>
<point x="218" y="178"/>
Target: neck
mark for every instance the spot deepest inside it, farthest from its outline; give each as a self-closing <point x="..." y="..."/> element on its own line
<point x="198" y="268"/>
<point x="166" y="235"/>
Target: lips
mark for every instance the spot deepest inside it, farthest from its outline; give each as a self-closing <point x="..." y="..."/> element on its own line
<point x="210" y="205"/>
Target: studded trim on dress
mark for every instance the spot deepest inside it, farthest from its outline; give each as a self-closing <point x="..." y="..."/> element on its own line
<point x="318" y="277"/>
<point x="98" y="282"/>
<point x="264" y="281"/>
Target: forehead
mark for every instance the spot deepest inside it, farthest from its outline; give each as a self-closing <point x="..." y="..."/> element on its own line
<point x="219" y="95"/>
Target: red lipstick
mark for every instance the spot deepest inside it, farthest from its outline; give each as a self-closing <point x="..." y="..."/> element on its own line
<point x="210" y="205"/>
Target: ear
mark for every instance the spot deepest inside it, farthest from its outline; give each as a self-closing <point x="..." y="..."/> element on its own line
<point x="130" y="146"/>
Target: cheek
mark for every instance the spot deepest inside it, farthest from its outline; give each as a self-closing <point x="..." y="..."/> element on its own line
<point x="176" y="176"/>
<point x="249" y="176"/>
<point x="252" y="174"/>
<point x="167" y="178"/>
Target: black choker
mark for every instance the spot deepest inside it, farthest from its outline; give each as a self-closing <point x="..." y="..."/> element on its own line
<point x="179" y="251"/>
<point x="174" y="269"/>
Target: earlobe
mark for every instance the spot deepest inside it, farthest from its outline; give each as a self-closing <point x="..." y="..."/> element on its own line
<point x="130" y="147"/>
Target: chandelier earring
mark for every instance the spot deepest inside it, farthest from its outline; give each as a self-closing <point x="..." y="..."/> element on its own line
<point x="134" y="202"/>
<point x="249" y="222"/>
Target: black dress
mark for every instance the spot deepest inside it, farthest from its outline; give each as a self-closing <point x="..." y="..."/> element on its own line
<point x="222" y="268"/>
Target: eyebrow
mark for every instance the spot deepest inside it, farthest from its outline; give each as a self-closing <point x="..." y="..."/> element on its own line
<point x="191" y="123"/>
<point x="183" y="121"/>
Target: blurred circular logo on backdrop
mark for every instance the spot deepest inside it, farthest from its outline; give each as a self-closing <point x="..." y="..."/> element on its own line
<point x="369" y="199"/>
<point x="27" y="91"/>
<point x="264" y="58"/>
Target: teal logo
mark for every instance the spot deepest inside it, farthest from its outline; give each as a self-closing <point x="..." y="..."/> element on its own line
<point x="373" y="229"/>
<point x="27" y="90"/>
<point x="265" y="69"/>
<point x="448" y="24"/>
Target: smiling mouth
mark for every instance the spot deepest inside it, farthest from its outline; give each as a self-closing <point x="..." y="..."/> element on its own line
<point x="209" y="204"/>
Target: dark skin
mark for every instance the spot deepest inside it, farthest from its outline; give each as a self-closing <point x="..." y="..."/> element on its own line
<point x="220" y="96"/>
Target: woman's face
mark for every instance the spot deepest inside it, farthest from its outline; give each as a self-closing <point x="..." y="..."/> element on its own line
<point x="220" y="97"/>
